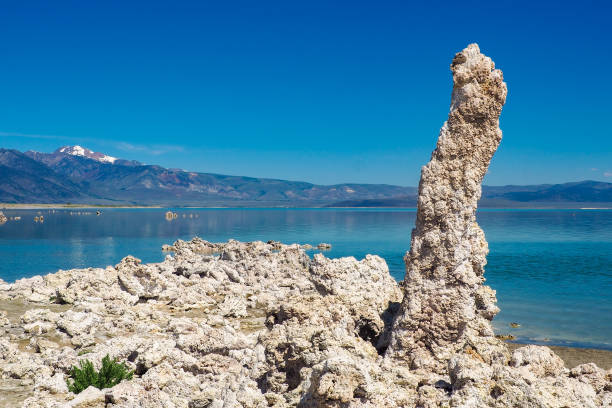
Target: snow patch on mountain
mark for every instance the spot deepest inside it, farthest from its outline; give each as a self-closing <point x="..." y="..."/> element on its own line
<point x="84" y="152"/>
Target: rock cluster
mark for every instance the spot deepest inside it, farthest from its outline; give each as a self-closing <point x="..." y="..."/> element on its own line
<point x="265" y="325"/>
<point x="250" y="325"/>
<point x="233" y="324"/>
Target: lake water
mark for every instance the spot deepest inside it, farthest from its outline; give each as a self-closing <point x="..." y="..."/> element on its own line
<point x="552" y="269"/>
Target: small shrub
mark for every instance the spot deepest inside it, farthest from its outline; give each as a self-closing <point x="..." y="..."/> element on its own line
<point x="82" y="377"/>
<point x="111" y="373"/>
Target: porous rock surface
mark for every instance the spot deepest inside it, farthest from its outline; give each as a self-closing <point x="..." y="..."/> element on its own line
<point x="220" y="325"/>
<point x="446" y="308"/>
<point x="265" y="325"/>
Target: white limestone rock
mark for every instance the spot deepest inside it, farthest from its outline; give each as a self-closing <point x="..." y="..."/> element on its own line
<point x="445" y="307"/>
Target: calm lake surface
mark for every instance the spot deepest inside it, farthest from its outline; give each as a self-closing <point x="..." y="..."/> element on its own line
<point x="552" y="269"/>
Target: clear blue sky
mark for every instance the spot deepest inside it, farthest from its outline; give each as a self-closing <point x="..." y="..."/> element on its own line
<point x="321" y="91"/>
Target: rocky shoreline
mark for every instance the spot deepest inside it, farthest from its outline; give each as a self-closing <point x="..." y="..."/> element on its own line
<point x="574" y="356"/>
<point x="264" y="325"/>
<point x="248" y="324"/>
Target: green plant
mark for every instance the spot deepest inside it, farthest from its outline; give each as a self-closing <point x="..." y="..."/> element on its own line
<point x="111" y="373"/>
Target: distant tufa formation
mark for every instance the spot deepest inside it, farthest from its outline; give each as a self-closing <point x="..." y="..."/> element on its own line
<point x="446" y="308"/>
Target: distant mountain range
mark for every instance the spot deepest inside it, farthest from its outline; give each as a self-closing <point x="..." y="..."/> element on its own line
<point x="78" y="175"/>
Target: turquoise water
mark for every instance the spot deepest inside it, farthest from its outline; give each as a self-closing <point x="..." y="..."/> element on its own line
<point x="552" y="269"/>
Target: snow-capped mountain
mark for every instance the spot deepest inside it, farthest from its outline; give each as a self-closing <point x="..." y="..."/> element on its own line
<point x="77" y="150"/>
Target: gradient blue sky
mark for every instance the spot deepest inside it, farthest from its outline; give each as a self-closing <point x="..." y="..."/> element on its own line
<point x="321" y="91"/>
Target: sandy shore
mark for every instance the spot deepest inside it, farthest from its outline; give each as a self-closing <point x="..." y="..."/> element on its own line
<point x="573" y="356"/>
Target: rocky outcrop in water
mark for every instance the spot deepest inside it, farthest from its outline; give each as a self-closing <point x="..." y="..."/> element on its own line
<point x="265" y="325"/>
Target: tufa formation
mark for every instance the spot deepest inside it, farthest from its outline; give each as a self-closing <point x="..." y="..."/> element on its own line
<point x="446" y="308"/>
